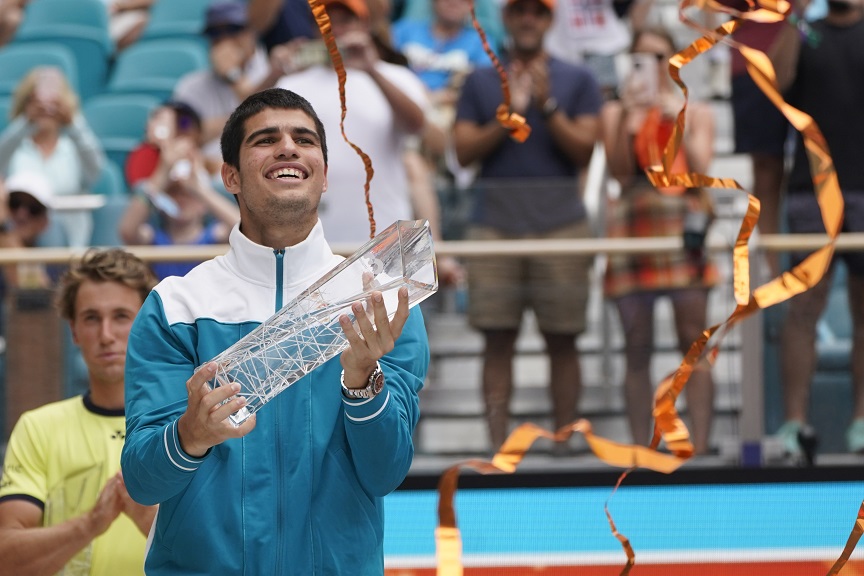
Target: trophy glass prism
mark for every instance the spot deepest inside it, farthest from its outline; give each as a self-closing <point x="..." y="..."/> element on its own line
<point x="306" y="332"/>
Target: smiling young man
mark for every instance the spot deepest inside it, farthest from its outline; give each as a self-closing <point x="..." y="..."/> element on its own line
<point x="63" y="505"/>
<point x="297" y="488"/>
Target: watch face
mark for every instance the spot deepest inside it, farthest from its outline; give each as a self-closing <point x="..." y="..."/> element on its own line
<point x="377" y="382"/>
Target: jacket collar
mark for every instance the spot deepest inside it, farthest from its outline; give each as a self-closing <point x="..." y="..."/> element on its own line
<point x="302" y="263"/>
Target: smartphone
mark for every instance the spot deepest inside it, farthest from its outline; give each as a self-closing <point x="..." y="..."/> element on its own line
<point x="641" y="80"/>
<point x="311" y="53"/>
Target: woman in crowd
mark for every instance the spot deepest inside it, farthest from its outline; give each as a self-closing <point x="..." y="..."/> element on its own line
<point x="636" y="129"/>
<point x="49" y="135"/>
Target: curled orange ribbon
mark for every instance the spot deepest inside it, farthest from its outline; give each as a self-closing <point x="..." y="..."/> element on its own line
<point x="515" y="123"/>
<point x="669" y="428"/>
<point x="323" y="22"/>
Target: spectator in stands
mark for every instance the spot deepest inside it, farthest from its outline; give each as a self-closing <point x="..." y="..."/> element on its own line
<point x="441" y="51"/>
<point x="127" y="20"/>
<point x="49" y="135"/>
<point x="11" y="15"/>
<point x="28" y="199"/>
<point x="175" y="202"/>
<point x="64" y="507"/>
<point x="593" y="32"/>
<point x="830" y="89"/>
<point x="529" y="190"/>
<point x="635" y="131"/>
<point x="280" y="21"/>
<point x="239" y="67"/>
<point x="387" y="104"/>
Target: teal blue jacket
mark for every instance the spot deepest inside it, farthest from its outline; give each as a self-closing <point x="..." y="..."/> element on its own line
<point x="301" y="494"/>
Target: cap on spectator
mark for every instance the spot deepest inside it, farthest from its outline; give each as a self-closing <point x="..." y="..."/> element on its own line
<point x="223" y="16"/>
<point x="32" y="183"/>
<point x="357" y="7"/>
<point x="550" y="4"/>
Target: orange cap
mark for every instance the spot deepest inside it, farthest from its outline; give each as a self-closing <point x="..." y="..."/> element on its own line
<point x="550" y="4"/>
<point x="358" y="7"/>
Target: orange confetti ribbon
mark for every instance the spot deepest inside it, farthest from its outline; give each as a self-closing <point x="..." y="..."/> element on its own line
<point x="322" y="19"/>
<point x="669" y="428"/>
<point x="515" y="123"/>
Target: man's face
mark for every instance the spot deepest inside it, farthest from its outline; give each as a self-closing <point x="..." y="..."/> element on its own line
<point x="343" y="20"/>
<point x="29" y="217"/>
<point x="453" y="12"/>
<point x="527" y="21"/>
<point x="104" y="312"/>
<point x="281" y="173"/>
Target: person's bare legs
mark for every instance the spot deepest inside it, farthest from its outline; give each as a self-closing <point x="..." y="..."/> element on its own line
<point x="855" y="290"/>
<point x="637" y="321"/>
<point x="498" y="382"/>
<point x="798" y="348"/>
<point x="768" y="173"/>
<point x="565" y="377"/>
<point x="691" y="307"/>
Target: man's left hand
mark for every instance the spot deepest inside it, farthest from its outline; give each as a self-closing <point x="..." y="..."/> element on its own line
<point x="373" y="342"/>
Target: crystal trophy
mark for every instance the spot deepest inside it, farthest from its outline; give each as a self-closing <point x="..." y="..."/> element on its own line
<point x="306" y="332"/>
<point x="70" y="498"/>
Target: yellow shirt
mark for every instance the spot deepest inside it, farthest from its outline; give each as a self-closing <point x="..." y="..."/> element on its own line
<point x="61" y="455"/>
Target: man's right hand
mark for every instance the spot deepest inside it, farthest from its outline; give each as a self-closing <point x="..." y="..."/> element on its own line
<point x="205" y="422"/>
<point x="108" y="507"/>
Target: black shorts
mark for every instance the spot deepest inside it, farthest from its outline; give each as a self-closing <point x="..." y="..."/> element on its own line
<point x="804" y="217"/>
<point x="759" y="126"/>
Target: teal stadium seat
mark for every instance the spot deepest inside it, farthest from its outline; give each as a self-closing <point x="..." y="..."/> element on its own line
<point x="177" y="18"/>
<point x="154" y="66"/>
<point x="5" y="106"/>
<point x="120" y="121"/>
<point x="106" y="221"/>
<point x="17" y="60"/>
<point x="111" y="182"/>
<point x="81" y="26"/>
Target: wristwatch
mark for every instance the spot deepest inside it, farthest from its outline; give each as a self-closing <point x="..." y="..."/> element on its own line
<point x="549" y="107"/>
<point x="373" y="386"/>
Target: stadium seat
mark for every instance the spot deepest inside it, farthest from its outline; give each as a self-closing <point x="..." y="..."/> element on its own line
<point x="120" y="121"/>
<point x="154" y="66"/>
<point x="106" y="220"/>
<point x="176" y="18"/>
<point x="81" y="26"/>
<point x="111" y="182"/>
<point x="17" y="60"/>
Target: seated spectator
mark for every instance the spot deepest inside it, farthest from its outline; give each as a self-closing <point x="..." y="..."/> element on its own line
<point x="127" y="20"/>
<point x="635" y="131"/>
<point x="239" y="67"/>
<point x="175" y="203"/>
<point x="11" y="15"/>
<point x="441" y="51"/>
<point x="49" y="135"/>
<point x="28" y="200"/>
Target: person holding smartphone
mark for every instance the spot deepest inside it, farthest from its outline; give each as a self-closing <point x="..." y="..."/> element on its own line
<point x="49" y="135"/>
<point x="636" y="129"/>
<point x="175" y="201"/>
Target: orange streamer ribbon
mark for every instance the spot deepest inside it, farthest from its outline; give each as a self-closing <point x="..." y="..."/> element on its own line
<point x="857" y="530"/>
<point x="668" y="427"/>
<point x="515" y="123"/>
<point x="323" y="21"/>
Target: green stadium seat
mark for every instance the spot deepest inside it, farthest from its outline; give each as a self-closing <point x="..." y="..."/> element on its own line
<point x="17" y="60"/>
<point x="154" y="66"/>
<point x="120" y="121"/>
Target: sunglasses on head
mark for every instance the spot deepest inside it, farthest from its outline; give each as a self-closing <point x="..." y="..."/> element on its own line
<point x="24" y="200"/>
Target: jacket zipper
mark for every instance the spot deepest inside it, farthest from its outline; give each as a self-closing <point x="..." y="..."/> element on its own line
<point x="280" y="261"/>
